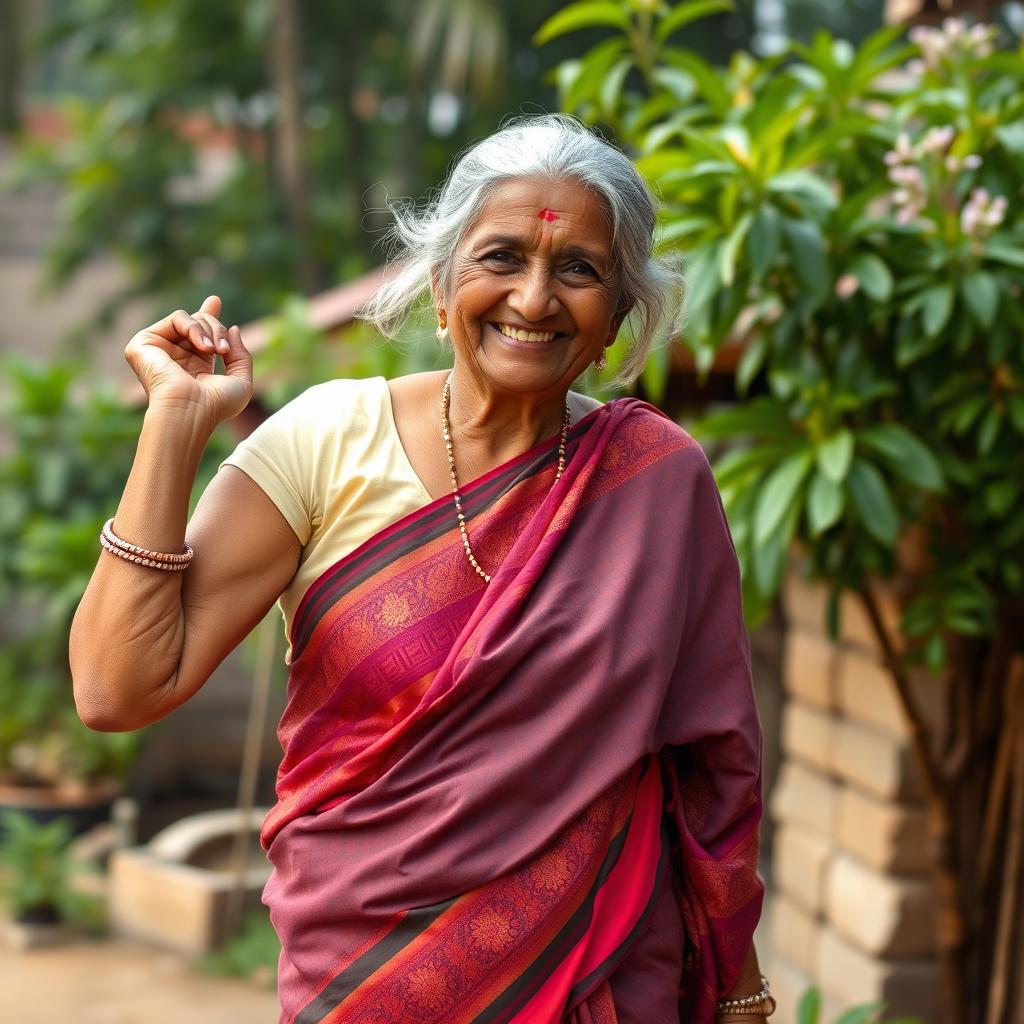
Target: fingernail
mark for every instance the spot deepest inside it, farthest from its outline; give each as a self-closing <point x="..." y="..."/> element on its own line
<point x="223" y="344"/>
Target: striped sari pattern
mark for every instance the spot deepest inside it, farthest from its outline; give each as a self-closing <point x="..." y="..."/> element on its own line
<point x="400" y="687"/>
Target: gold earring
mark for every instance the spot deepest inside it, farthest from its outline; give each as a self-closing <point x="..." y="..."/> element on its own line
<point x="442" y="325"/>
<point x="601" y="362"/>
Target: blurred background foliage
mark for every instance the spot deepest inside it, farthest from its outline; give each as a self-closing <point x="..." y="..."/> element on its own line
<point x="848" y="203"/>
<point x="179" y="149"/>
<point x="852" y="215"/>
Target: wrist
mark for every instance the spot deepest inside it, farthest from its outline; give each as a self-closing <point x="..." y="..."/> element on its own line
<point x="180" y="410"/>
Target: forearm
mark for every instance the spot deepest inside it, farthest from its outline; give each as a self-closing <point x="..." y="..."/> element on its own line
<point x="749" y="980"/>
<point x="748" y="983"/>
<point x="128" y="633"/>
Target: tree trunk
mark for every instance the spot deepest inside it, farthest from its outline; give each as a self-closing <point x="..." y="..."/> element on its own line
<point x="10" y="67"/>
<point x="289" y="161"/>
<point x="975" y="797"/>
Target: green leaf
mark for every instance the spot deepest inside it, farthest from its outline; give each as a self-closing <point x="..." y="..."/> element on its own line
<point x="778" y="494"/>
<point x="867" y="1013"/>
<point x="685" y="13"/>
<point x="655" y="373"/>
<point x="727" y="265"/>
<point x="808" y="1010"/>
<point x="1000" y="496"/>
<point x="937" y="303"/>
<point x="988" y="432"/>
<point x="611" y="87"/>
<point x="586" y="14"/>
<point x="910" y="458"/>
<point x="1004" y="252"/>
<point x="710" y="81"/>
<point x="681" y="84"/>
<point x="701" y="277"/>
<point x="980" y="292"/>
<point x="754" y="354"/>
<point x="834" y="455"/>
<point x="1011" y="136"/>
<point x="810" y="260"/>
<point x="763" y="240"/>
<point x="824" y="503"/>
<point x="874" y="276"/>
<point x="873" y="502"/>
<point x="935" y="653"/>
<point x="806" y="184"/>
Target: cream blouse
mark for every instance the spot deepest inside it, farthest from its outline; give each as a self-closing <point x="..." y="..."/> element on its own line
<point x="331" y="460"/>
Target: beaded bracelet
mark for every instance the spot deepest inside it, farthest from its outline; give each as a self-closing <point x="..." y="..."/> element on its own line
<point x="760" y="1002"/>
<point x="167" y="561"/>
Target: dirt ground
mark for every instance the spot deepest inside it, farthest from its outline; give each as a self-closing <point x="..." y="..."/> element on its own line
<point x="121" y="982"/>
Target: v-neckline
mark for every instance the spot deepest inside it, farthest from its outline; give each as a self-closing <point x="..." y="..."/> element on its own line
<point x="418" y="480"/>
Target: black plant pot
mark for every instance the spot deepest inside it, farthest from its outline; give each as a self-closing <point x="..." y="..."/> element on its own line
<point x="43" y="914"/>
<point x="82" y="807"/>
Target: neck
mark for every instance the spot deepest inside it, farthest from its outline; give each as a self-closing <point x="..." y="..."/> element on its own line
<point x="490" y="428"/>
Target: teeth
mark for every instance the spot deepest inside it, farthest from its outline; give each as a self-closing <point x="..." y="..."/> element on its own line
<point x="519" y="335"/>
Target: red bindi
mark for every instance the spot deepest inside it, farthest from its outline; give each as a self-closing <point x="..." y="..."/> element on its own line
<point x="548" y="215"/>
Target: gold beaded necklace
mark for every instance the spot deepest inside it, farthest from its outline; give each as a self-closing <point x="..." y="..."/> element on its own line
<point x="446" y="432"/>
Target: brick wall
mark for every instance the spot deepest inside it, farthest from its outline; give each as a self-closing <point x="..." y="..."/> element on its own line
<point x="851" y="907"/>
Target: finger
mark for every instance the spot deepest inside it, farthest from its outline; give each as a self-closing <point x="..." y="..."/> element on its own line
<point x="238" y="361"/>
<point x="179" y="325"/>
<point x="212" y="305"/>
<point x="215" y="331"/>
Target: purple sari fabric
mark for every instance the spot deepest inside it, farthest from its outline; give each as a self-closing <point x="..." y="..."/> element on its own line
<point x="611" y="636"/>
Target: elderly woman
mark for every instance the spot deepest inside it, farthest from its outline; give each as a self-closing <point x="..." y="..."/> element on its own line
<point x="521" y="772"/>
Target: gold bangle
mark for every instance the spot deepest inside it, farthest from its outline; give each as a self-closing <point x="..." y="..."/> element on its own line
<point x="761" y="1002"/>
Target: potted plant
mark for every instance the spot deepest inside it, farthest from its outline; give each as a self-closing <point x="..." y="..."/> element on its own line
<point x="68" y="450"/>
<point x="855" y="216"/>
<point x="37" y="873"/>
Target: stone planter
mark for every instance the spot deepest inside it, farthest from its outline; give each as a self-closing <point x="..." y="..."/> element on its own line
<point x="176" y="891"/>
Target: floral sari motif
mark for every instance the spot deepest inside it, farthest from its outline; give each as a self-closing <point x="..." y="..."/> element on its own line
<point x="485" y="788"/>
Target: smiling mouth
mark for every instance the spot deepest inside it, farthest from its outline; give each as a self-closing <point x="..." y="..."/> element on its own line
<point x="518" y="334"/>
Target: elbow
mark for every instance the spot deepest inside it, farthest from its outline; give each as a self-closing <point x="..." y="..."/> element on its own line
<point x="100" y="715"/>
<point x="97" y="711"/>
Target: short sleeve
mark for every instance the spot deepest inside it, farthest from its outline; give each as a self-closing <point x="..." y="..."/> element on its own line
<point x="281" y="456"/>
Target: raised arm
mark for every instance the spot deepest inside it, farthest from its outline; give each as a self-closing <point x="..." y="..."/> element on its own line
<point x="144" y="640"/>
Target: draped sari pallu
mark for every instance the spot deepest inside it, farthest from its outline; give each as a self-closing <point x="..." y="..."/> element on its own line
<point x="484" y="788"/>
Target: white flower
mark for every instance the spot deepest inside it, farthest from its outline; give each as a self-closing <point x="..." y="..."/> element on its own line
<point x="954" y="29"/>
<point x="982" y="213"/>
<point x="910" y="176"/>
<point x="937" y="139"/>
<point x="846" y="286"/>
<point x="972" y="161"/>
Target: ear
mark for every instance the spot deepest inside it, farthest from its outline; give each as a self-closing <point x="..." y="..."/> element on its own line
<point x="617" y="318"/>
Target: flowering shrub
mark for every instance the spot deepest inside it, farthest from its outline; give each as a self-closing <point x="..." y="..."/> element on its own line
<point x="854" y="215"/>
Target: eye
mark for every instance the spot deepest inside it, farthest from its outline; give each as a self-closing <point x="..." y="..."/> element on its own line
<point x="502" y="256"/>
<point x="580" y="267"/>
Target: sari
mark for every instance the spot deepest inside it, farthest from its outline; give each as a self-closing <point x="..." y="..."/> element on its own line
<point x="485" y="788"/>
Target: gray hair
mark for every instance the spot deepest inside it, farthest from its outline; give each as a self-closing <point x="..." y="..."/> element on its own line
<point x="554" y="146"/>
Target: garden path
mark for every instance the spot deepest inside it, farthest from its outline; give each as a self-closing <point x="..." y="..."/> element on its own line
<point x="122" y="982"/>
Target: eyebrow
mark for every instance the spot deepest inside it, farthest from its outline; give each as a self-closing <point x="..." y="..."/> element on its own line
<point x="570" y="251"/>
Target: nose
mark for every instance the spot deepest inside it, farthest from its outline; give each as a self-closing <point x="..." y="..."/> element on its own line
<point x="532" y="297"/>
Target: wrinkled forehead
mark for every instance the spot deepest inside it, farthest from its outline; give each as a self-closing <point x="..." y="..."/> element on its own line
<point x="560" y="209"/>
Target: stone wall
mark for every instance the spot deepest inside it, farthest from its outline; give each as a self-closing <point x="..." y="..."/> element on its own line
<point x="851" y="907"/>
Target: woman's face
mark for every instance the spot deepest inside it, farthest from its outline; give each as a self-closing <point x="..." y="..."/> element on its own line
<point x="534" y="294"/>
